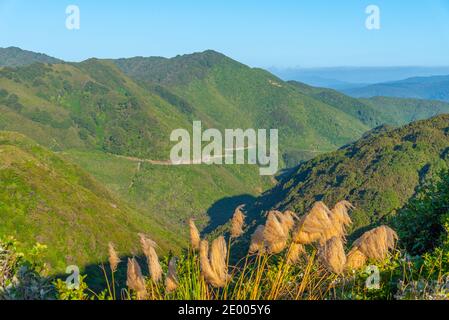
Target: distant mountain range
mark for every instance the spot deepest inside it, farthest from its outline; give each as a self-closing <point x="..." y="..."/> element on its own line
<point x="434" y="88"/>
<point x="345" y="78"/>
<point x="108" y="121"/>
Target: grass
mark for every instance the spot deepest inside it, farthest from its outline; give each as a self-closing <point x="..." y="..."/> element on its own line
<point x="45" y="198"/>
<point x="270" y="270"/>
<point x="266" y="275"/>
<point x="92" y="110"/>
<point x="174" y="194"/>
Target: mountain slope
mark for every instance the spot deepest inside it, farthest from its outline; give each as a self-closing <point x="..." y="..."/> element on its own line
<point x="377" y="111"/>
<point x="113" y="128"/>
<point x="14" y="57"/>
<point x="87" y="105"/>
<point x="369" y="115"/>
<point x="45" y="198"/>
<point x="378" y="174"/>
<point x="226" y="94"/>
<point x="400" y="111"/>
<point x="116" y="126"/>
<point x="433" y="88"/>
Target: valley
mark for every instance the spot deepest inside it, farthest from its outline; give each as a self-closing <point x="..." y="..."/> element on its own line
<point x="112" y="120"/>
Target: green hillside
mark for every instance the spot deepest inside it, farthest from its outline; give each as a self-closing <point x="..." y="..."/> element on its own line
<point x="113" y="118"/>
<point x="403" y="111"/>
<point x="369" y="115"/>
<point x="174" y="194"/>
<point x="377" y="111"/>
<point x="94" y="113"/>
<point x="14" y="57"/>
<point x="45" y="198"/>
<point x="89" y="105"/>
<point x="378" y="174"/>
<point x="226" y="94"/>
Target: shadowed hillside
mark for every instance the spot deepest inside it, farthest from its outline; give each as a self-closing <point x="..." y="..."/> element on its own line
<point x="378" y="174"/>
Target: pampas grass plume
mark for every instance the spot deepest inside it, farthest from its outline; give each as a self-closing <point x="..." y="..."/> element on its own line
<point x="237" y="223"/>
<point x="195" y="238"/>
<point x="114" y="259"/>
<point x="148" y="247"/>
<point x="135" y="281"/>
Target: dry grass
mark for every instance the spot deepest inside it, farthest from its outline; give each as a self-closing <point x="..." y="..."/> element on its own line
<point x="195" y="238"/>
<point x="154" y="267"/>
<point x="213" y="262"/>
<point x="171" y="281"/>
<point x="275" y="233"/>
<point x="374" y="244"/>
<point x="289" y="258"/>
<point x="135" y="280"/>
<point x="332" y="254"/>
<point x="315" y="226"/>
<point x="258" y="240"/>
<point x="340" y="218"/>
<point x="295" y="252"/>
<point x="237" y="223"/>
<point x="355" y="260"/>
<point x="114" y="259"/>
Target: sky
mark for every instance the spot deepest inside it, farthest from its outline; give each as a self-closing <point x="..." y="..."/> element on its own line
<point x="262" y="33"/>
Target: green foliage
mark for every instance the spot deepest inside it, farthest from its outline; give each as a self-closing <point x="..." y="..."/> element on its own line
<point x="173" y="194"/>
<point x="421" y="224"/>
<point x="377" y="111"/>
<point x="226" y="94"/>
<point x="44" y="196"/>
<point x="63" y="292"/>
<point x="22" y="273"/>
<point x="402" y="111"/>
<point x="114" y="117"/>
<point x="379" y="173"/>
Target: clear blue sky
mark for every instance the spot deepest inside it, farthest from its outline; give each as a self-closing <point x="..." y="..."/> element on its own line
<point x="257" y="32"/>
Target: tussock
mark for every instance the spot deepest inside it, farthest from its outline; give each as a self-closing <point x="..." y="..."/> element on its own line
<point x="237" y="223"/>
<point x="274" y="235"/>
<point x="355" y="260"/>
<point x="287" y="220"/>
<point x="340" y="218"/>
<point x="257" y="240"/>
<point x="332" y="255"/>
<point x="275" y="232"/>
<point x="218" y="255"/>
<point x="314" y="226"/>
<point x="294" y="253"/>
<point x="171" y="281"/>
<point x="195" y="238"/>
<point x="148" y="247"/>
<point x="375" y="244"/>
<point x="114" y="259"/>
<point x="135" y="281"/>
<point x="213" y="263"/>
<point x="322" y="224"/>
<point x="298" y="274"/>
